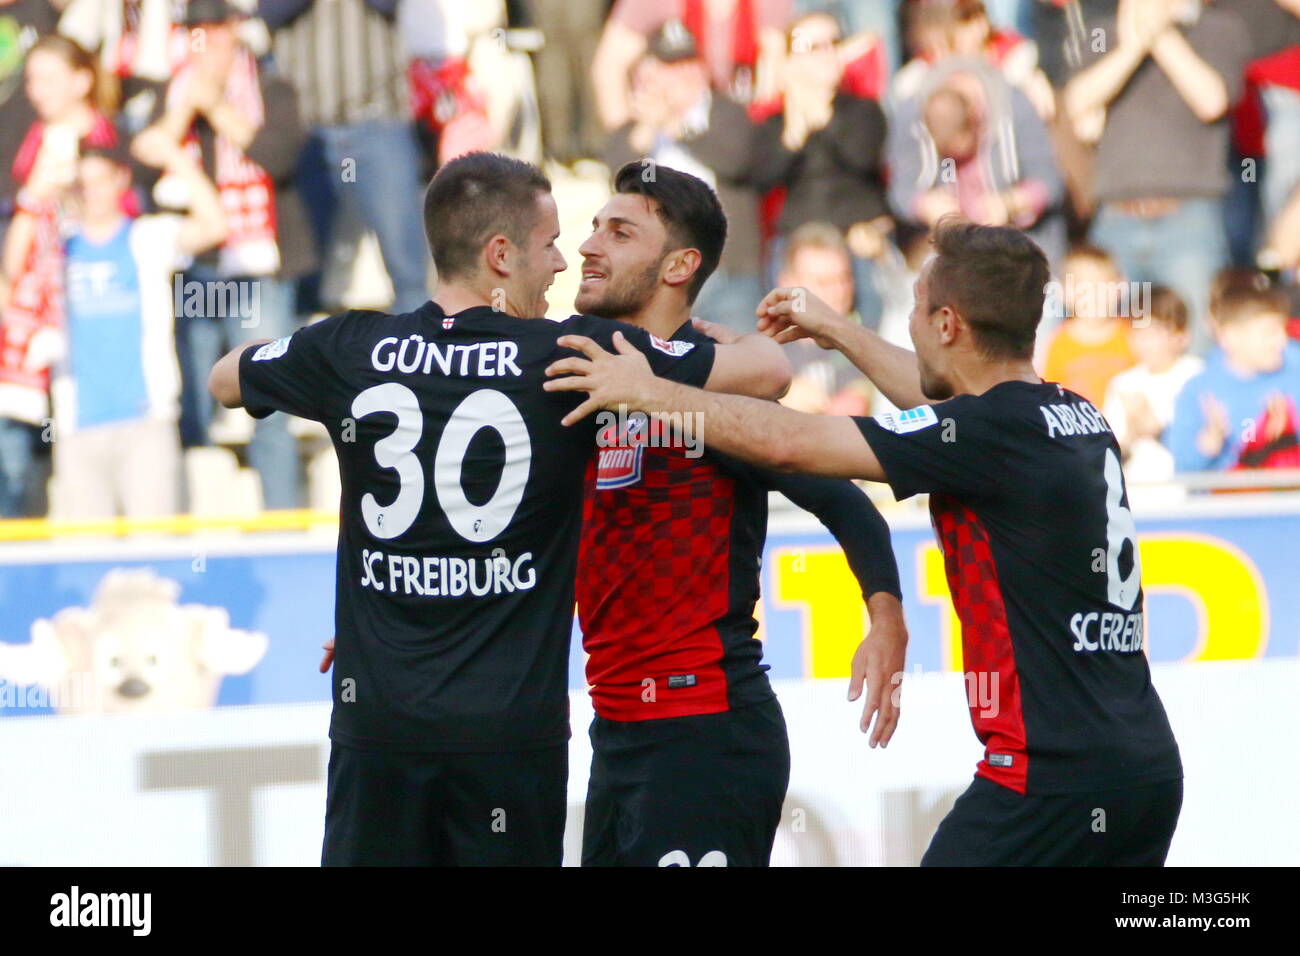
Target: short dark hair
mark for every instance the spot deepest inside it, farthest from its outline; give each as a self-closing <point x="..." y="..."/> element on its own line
<point x="996" y="277"/>
<point x="1240" y="303"/>
<point x="1167" y="307"/>
<point x="473" y="198"/>
<point x="114" y="154"/>
<point x="688" y="208"/>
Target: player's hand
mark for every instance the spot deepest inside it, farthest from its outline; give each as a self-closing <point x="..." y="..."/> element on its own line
<point x="790" y="314"/>
<point x="327" y="660"/>
<point x="719" y="333"/>
<point x="878" y="662"/>
<point x="610" y="380"/>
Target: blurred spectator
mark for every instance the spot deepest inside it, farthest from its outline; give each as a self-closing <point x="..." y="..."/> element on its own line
<point x="683" y="124"/>
<point x="1282" y="250"/>
<point x="134" y="38"/>
<point x="970" y="143"/>
<point x="960" y="28"/>
<point x="1240" y="412"/>
<point x="877" y="19"/>
<point x="61" y="85"/>
<point x="1060" y="30"/>
<point x="245" y="126"/>
<point x="1140" y="401"/>
<point x="22" y="22"/>
<point x="344" y="58"/>
<point x="447" y="100"/>
<point x="1092" y="346"/>
<point x="825" y="147"/>
<point x="1174" y="67"/>
<point x="571" y="129"/>
<point x="742" y="43"/>
<point x="115" y="394"/>
<point x="1268" y="126"/>
<point x="817" y="258"/>
<point x="471" y="81"/>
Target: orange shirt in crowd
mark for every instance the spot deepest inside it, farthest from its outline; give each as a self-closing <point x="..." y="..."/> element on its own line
<point x="1087" y="368"/>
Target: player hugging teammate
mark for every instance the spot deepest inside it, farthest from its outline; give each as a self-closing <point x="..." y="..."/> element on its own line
<point x="473" y="498"/>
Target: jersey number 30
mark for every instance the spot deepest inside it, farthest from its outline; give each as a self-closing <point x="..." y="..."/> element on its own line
<point x="485" y="408"/>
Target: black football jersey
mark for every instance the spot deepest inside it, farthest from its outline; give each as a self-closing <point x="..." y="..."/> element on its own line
<point x="1028" y="503"/>
<point x="459" y="517"/>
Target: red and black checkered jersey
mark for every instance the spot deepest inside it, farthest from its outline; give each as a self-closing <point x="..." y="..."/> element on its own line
<point x="1029" y="506"/>
<point x="667" y="579"/>
<point x="668" y="566"/>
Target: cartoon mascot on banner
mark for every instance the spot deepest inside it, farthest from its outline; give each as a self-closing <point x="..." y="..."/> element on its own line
<point x="134" y="650"/>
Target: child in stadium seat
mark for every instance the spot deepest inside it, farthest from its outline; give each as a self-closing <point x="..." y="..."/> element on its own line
<point x="1140" y="401"/>
<point x="1092" y="347"/>
<point x="1240" y="412"/>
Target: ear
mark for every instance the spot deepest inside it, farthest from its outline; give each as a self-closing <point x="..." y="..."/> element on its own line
<point x="220" y="648"/>
<point x="950" y="323"/>
<point x="680" y="267"/>
<point x="498" y="255"/>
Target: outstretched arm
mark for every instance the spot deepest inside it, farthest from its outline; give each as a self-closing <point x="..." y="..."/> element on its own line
<point x="795" y="313"/>
<point x="750" y="429"/>
<point x="863" y="534"/>
<point x="223" y="381"/>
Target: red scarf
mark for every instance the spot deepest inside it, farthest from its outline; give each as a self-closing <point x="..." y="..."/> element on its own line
<point x="101" y="133"/>
<point x="447" y="98"/>
<point x="744" y="43"/>
<point x="36" y="298"/>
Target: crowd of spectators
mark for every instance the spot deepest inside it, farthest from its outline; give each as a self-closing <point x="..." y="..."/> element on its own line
<point x="176" y="177"/>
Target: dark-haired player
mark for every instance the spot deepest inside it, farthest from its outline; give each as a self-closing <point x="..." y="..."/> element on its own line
<point x="690" y="756"/>
<point x="458" y="533"/>
<point x="1029" y="506"/>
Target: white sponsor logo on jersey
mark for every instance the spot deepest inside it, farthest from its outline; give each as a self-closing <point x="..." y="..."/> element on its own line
<point x="272" y="350"/>
<point x="914" y="419"/>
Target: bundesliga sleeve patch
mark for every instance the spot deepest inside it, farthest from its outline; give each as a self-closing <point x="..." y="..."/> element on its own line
<point x="914" y="419"/>
<point x="272" y="350"/>
<point x="674" y="348"/>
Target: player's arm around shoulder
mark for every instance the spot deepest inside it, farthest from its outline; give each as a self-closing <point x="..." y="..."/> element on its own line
<point x="752" y="364"/>
<point x="753" y="430"/>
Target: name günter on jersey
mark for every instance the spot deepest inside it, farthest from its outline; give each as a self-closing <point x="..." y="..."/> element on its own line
<point x="451" y="575"/>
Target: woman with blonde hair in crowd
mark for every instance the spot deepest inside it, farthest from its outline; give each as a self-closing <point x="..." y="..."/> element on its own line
<point x="72" y="109"/>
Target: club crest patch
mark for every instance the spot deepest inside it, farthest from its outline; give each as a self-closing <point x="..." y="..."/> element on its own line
<point x="618" y="463"/>
<point x="675" y="348"/>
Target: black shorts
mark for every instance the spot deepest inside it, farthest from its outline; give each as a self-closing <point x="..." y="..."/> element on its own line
<point x="991" y="825"/>
<point x="704" y="790"/>
<point x="417" y="809"/>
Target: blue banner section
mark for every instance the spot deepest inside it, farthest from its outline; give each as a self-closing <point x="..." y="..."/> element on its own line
<point x="243" y="626"/>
